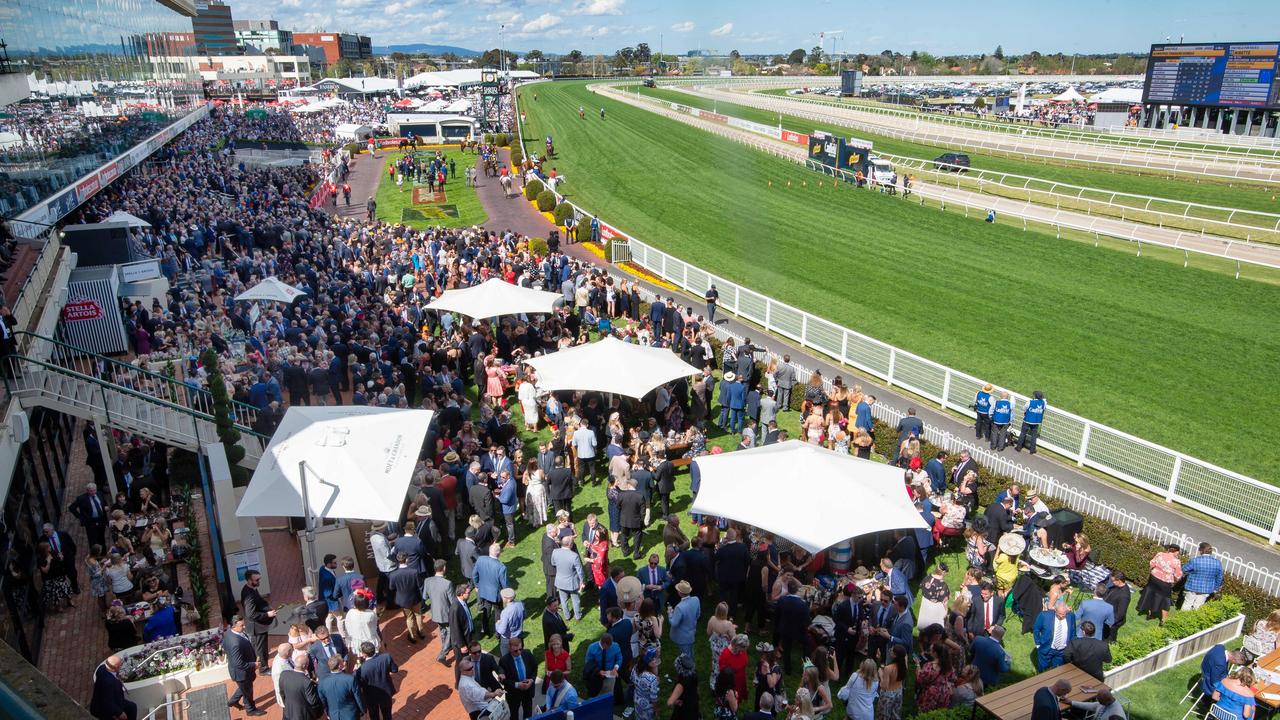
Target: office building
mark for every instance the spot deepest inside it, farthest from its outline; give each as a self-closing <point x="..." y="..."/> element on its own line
<point x="214" y="29"/>
<point x="337" y="46"/>
<point x="256" y="37"/>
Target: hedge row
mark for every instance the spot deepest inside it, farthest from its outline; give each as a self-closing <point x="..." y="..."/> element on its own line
<point x="563" y="212"/>
<point x="532" y="189"/>
<point x="1181" y="624"/>
<point x="546" y="201"/>
<point x="1113" y="546"/>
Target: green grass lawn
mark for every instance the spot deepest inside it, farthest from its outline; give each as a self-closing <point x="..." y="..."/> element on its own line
<point x="393" y="200"/>
<point x="1170" y="354"/>
<point x="524" y="566"/>
<point x="1054" y="170"/>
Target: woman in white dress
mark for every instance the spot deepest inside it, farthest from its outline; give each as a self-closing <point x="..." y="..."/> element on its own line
<point x="535" y="495"/>
<point x="528" y="396"/>
<point x="361" y="624"/>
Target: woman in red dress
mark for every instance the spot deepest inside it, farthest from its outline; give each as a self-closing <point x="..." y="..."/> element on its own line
<point x="600" y="559"/>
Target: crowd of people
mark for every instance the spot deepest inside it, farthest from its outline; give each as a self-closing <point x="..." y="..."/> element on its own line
<point x="362" y="336"/>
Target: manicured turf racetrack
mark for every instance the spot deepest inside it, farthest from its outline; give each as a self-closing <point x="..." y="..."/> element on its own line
<point x="1179" y="356"/>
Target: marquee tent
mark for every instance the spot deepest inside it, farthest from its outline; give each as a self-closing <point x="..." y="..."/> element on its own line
<point x="349" y="462"/>
<point x="609" y="366"/>
<point x="1069" y="95"/>
<point x="272" y="290"/>
<point x="810" y="495"/>
<point x="495" y="297"/>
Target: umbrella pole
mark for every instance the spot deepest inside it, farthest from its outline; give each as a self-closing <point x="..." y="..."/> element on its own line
<point x="310" y="532"/>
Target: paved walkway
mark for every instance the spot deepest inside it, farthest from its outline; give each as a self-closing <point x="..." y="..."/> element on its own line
<point x="523" y="215"/>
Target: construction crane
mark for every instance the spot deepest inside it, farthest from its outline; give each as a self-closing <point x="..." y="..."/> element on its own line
<point x="834" y="35"/>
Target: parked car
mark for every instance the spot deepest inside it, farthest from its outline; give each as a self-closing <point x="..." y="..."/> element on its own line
<point x="951" y="162"/>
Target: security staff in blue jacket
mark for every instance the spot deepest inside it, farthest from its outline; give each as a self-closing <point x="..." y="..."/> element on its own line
<point x="982" y="405"/>
<point x="1001" y="417"/>
<point x="1031" y="419"/>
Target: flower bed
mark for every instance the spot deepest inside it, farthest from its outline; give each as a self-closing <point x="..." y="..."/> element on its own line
<point x="158" y="669"/>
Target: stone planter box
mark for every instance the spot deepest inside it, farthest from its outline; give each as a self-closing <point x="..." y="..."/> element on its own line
<point x="153" y="691"/>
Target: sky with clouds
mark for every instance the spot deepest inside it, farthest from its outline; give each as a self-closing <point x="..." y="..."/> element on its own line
<point x="759" y="26"/>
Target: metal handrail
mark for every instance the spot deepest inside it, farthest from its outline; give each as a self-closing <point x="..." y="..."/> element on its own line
<point x="151" y="715"/>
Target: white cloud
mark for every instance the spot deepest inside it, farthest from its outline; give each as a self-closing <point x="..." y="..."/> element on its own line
<point x="685" y="26"/>
<point x="598" y="7"/>
<point x="724" y="29"/>
<point x="504" y="17"/>
<point x="545" y="21"/>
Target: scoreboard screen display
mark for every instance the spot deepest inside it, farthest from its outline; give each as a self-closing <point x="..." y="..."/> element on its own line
<point x="1245" y="75"/>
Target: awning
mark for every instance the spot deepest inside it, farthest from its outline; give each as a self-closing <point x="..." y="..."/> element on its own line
<point x="609" y="366"/>
<point x="495" y="297"/>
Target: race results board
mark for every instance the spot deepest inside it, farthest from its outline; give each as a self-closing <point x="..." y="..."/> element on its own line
<point x="1245" y="75"/>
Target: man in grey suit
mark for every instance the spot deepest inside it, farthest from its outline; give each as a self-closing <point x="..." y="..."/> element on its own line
<point x="569" y="579"/>
<point x="439" y="592"/>
<point x="786" y="376"/>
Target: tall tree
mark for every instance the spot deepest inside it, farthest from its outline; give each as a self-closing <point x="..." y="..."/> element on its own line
<point x="533" y="55"/>
<point x="999" y="53"/>
<point x="796" y="57"/>
<point x="574" y="56"/>
<point x="734" y="55"/>
<point x="643" y="54"/>
<point x="815" y="55"/>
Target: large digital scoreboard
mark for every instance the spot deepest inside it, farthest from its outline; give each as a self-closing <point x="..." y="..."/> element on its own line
<point x="1242" y="75"/>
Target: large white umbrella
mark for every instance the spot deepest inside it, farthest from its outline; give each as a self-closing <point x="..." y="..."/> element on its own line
<point x="812" y="496"/>
<point x="496" y="297"/>
<point x="610" y="366"/>
<point x="272" y="289"/>
<point x="351" y="462"/>
<point x="1068" y="95"/>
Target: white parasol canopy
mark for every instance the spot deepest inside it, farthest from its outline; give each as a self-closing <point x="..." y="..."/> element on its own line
<point x="132" y="220"/>
<point x="1068" y="95"/>
<point x="496" y="297"/>
<point x="812" y="496"/>
<point x="610" y="366"/>
<point x="273" y="290"/>
<point x="359" y="461"/>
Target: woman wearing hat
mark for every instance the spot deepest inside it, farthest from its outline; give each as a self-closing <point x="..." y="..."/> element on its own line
<point x="683" y="700"/>
<point x="1008" y="550"/>
<point x="644" y="685"/>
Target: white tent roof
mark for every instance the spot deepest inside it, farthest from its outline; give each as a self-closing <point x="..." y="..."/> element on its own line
<point x="495" y="297"/>
<point x="610" y="366"/>
<point x="435" y="105"/>
<point x="458" y="106"/>
<point x="1068" y="95"/>
<point x="458" y="78"/>
<point x="1133" y="96"/>
<point x="359" y="461"/>
<point x="812" y="496"/>
<point x="133" y="220"/>
<point x="272" y="289"/>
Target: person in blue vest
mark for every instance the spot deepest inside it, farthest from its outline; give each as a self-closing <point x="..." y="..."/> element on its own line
<point x="595" y="229"/>
<point x="1031" y="419"/>
<point x="1001" y="417"/>
<point x="982" y="405"/>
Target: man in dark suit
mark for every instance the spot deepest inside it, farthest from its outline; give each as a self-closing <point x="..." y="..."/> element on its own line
<point x="692" y="566"/>
<point x="985" y="611"/>
<point x="91" y="511"/>
<point x="374" y="679"/>
<point x="339" y="692"/>
<point x="990" y="657"/>
<point x="732" y="559"/>
<point x="258" y="617"/>
<point x="298" y="690"/>
<point x="484" y="667"/>
<point x="909" y="426"/>
<point x="314" y="610"/>
<point x="608" y="594"/>
<point x="241" y="666"/>
<point x="963" y="465"/>
<point x="550" y="543"/>
<point x="326" y="646"/>
<point x="653" y="581"/>
<point x="999" y="518"/>
<point x="664" y="476"/>
<point x="766" y="709"/>
<point x="406" y="592"/>
<point x="793" y="621"/>
<point x="64" y="552"/>
<point x="518" y="670"/>
<point x="631" y="508"/>
<point x="1087" y="652"/>
<point x="937" y="473"/>
<point x="461" y="625"/>
<point x="110" y="701"/>
<point x="848" y="613"/>
<point x="468" y="551"/>
<point x="560" y="486"/>
<point x="1046" y="704"/>
<point x="553" y="624"/>
<point x="410" y="545"/>
<point x="1054" y="629"/>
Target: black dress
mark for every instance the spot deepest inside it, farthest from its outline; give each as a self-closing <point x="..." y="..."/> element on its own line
<point x="689" y="707"/>
<point x="121" y="634"/>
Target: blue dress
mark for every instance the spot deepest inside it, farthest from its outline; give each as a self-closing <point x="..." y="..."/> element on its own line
<point x="1235" y="703"/>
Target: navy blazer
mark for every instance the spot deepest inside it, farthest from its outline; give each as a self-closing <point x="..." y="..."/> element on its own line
<point x="375" y="674"/>
<point x="109" y="699"/>
<point x="242" y="664"/>
<point x="608" y="598"/>
<point x="991" y="660"/>
<point x="319" y="660"/>
<point x="340" y="695"/>
<point x="1045" y="705"/>
<point x="658" y="596"/>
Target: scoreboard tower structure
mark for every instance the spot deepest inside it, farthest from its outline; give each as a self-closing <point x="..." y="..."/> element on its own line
<point x="1229" y="88"/>
<point x="490" y="99"/>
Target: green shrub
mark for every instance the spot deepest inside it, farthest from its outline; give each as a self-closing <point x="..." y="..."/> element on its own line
<point x="517" y="155"/>
<point x="563" y="212"/>
<point x="954" y="713"/>
<point x="1137" y="644"/>
<point x="532" y="189"/>
<point x="546" y="201"/>
<point x="487" y="138"/>
<point x="503" y="139"/>
<point x="538" y="246"/>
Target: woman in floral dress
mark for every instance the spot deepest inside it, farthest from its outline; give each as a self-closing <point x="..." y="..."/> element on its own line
<point x="644" y="684"/>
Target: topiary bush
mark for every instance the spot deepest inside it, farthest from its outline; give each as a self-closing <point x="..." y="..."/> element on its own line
<point x="538" y="246"/>
<point x="487" y="138"/>
<point x="546" y="201"/>
<point x="563" y="212"/>
<point x="222" y="418"/>
<point x="517" y="155"/>
<point x="503" y="139"/>
<point x="532" y="189"/>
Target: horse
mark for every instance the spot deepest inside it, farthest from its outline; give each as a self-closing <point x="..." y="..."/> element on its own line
<point x="506" y="185"/>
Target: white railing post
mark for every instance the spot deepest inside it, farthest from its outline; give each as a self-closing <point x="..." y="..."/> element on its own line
<point x="768" y="314"/>
<point x="804" y="330"/>
<point x="1084" y="443"/>
<point x="893" y="360"/>
<point x="1275" y="530"/>
<point x="844" y="346"/>
<point x="1171" y="493"/>
<point x="946" y="389"/>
